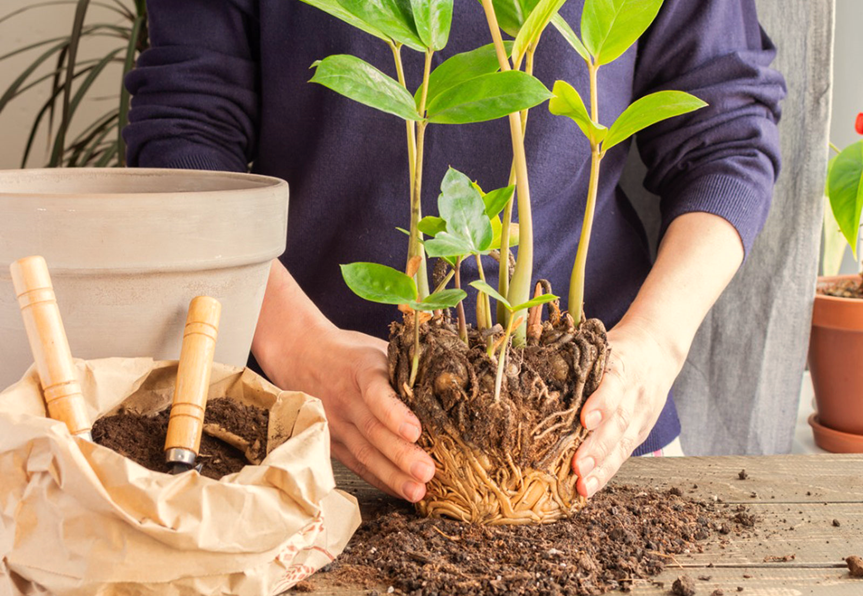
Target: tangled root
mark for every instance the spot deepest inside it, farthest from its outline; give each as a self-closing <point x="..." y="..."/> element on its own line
<point x="505" y="460"/>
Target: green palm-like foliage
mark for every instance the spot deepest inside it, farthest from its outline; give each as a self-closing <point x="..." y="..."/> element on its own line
<point x="100" y="143"/>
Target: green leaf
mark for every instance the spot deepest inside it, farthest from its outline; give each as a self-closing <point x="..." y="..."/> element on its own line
<point x="544" y="299"/>
<point x="393" y="18"/>
<point x="128" y="64"/>
<point x="431" y="225"/>
<point x="433" y="19"/>
<point x="834" y="243"/>
<point x="332" y="7"/>
<point x="534" y="26"/>
<point x="71" y="59"/>
<point x="487" y="97"/>
<point x="379" y="283"/>
<point x="462" y="208"/>
<point x="649" y="110"/>
<point x="569" y="35"/>
<point x="460" y="68"/>
<point x="511" y="14"/>
<point x="440" y="300"/>
<point x="446" y="245"/>
<point x="490" y="291"/>
<point x="610" y="27"/>
<point x="496" y="200"/>
<point x="362" y="82"/>
<point x="845" y="189"/>
<point x="567" y="102"/>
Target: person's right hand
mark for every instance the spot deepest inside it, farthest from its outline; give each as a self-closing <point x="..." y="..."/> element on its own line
<point x="373" y="432"/>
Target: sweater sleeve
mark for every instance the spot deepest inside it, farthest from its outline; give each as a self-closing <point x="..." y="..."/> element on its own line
<point x="722" y="159"/>
<point x="195" y="91"/>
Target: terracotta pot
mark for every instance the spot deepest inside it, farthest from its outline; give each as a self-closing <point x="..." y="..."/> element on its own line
<point x="128" y="250"/>
<point x="836" y="360"/>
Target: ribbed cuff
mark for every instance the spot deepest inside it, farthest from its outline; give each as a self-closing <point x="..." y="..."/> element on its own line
<point x="196" y="162"/>
<point x="731" y="198"/>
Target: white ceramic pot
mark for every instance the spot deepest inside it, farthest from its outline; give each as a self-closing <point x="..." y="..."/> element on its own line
<point x="129" y="248"/>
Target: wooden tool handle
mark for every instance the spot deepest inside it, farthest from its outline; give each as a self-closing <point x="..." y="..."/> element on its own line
<point x="49" y="345"/>
<point x="193" y="375"/>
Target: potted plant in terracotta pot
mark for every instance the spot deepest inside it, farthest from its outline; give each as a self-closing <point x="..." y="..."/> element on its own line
<point x="836" y="342"/>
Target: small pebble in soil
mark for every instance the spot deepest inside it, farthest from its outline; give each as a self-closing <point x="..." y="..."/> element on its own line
<point x="683" y="586"/>
<point x="676" y="491"/>
<point x="855" y="566"/>
<point x="739" y="588"/>
<point x="836" y="523"/>
<point x="717" y="592"/>
<point x="743" y="475"/>
<point x="304" y="586"/>
<point x="704" y="578"/>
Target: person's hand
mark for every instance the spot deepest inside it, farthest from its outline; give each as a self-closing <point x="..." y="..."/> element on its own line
<point x="623" y="410"/>
<point x="373" y="432"/>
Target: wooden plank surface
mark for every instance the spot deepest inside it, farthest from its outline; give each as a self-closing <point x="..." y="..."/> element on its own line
<point x="795" y="500"/>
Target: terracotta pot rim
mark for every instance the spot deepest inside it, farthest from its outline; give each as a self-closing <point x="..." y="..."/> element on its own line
<point x="834" y="312"/>
<point x="833" y="440"/>
<point x="824" y="280"/>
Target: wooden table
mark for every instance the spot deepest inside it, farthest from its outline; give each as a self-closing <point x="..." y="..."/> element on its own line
<point x="803" y="492"/>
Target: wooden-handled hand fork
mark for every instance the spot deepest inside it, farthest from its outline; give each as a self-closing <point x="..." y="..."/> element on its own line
<point x="193" y="381"/>
<point x="60" y="387"/>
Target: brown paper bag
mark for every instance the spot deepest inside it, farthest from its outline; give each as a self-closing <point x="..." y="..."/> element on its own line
<point x="79" y="519"/>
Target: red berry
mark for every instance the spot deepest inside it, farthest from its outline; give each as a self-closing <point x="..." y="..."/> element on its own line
<point x="859" y="124"/>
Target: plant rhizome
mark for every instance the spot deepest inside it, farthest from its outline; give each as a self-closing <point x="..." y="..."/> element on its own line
<point x="499" y="400"/>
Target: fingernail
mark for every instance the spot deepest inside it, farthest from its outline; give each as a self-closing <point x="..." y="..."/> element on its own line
<point x="422" y="471"/>
<point x="586" y="466"/>
<point x="410" y="432"/>
<point x="413" y="491"/>
<point x="592" y="485"/>
<point x="592" y="419"/>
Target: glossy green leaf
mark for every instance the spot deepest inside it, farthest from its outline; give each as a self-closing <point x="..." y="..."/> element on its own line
<point x="569" y="35"/>
<point x="649" y="110"/>
<point x="460" y="68"/>
<point x="431" y="225"/>
<point x="835" y="244"/>
<point x="845" y="189"/>
<point x="534" y="26"/>
<point x="128" y="64"/>
<point x="333" y="8"/>
<point x="71" y="60"/>
<point x="490" y="291"/>
<point x="496" y="200"/>
<point x="379" y="283"/>
<point x="445" y="245"/>
<point x="544" y="299"/>
<point x="511" y="14"/>
<point x="440" y="300"/>
<point x="462" y="208"/>
<point x="433" y="19"/>
<point x="393" y="18"/>
<point x="610" y="27"/>
<point x="362" y="82"/>
<point x="487" y="97"/>
<point x="567" y="102"/>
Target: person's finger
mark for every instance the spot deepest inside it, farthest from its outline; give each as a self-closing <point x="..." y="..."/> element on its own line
<point x="342" y="454"/>
<point x="385" y="405"/>
<point x="607" y="401"/>
<point x="406" y="456"/>
<point x="371" y="462"/>
<point x="605" y="441"/>
<point x="599" y="477"/>
<point x="600" y="406"/>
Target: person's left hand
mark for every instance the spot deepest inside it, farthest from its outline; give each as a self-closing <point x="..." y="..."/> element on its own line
<point x="623" y="410"/>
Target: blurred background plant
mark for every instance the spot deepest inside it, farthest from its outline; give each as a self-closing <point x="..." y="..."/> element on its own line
<point x="843" y="202"/>
<point x="96" y="54"/>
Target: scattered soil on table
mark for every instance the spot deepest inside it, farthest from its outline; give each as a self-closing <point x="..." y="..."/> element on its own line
<point x="623" y="535"/>
<point x="683" y="586"/>
<point x="743" y="475"/>
<point x="855" y="566"/>
<point x="848" y="288"/>
<point x="142" y="438"/>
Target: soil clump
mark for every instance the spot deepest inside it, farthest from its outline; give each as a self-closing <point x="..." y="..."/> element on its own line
<point x="625" y="534"/>
<point x="855" y="566"/>
<point x="241" y="437"/>
<point x="848" y="288"/>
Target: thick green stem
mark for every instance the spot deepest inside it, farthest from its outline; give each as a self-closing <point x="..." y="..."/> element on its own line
<point x="415" y="247"/>
<point x="410" y="124"/>
<point x="519" y="290"/>
<point x="501" y="358"/>
<point x="415" y="365"/>
<point x="483" y="299"/>
<point x="459" y="309"/>
<point x="576" y="281"/>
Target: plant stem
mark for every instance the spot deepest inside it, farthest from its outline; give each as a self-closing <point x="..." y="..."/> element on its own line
<point x="483" y="298"/>
<point x="503" y="277"/>
<point x="519" y="290"/>
<point x="415" y="365"/>
<point x="410" y="124"/>
<point x="835" y="148"/>
<point x="459" y="309"/>
<point x="445" y="281"/>
<point x="501" y="358"/>
<point x="415" y="248"/>
<point x="576" y="282"/>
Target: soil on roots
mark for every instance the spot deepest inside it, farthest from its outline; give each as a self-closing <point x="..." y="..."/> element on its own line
<point x="515" y="443"/>
<point x="141" y="438"/>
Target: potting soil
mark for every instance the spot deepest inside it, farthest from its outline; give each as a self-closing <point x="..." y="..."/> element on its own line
<point x="142" y="438"/>
<point x="848" y="288"/>
<point x="624" y="534"/>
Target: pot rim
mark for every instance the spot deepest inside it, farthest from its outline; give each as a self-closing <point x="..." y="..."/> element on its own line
<point x="835" y="312"/>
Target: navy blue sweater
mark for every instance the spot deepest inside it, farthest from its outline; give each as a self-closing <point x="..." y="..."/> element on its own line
<point x="225" y="86"/>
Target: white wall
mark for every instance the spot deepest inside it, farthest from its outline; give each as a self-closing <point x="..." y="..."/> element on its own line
<point x="30" y="27"/>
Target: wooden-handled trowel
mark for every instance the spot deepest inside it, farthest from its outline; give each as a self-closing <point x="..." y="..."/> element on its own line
<point x="193" y="381"/>
<point x="60" y="387"/>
